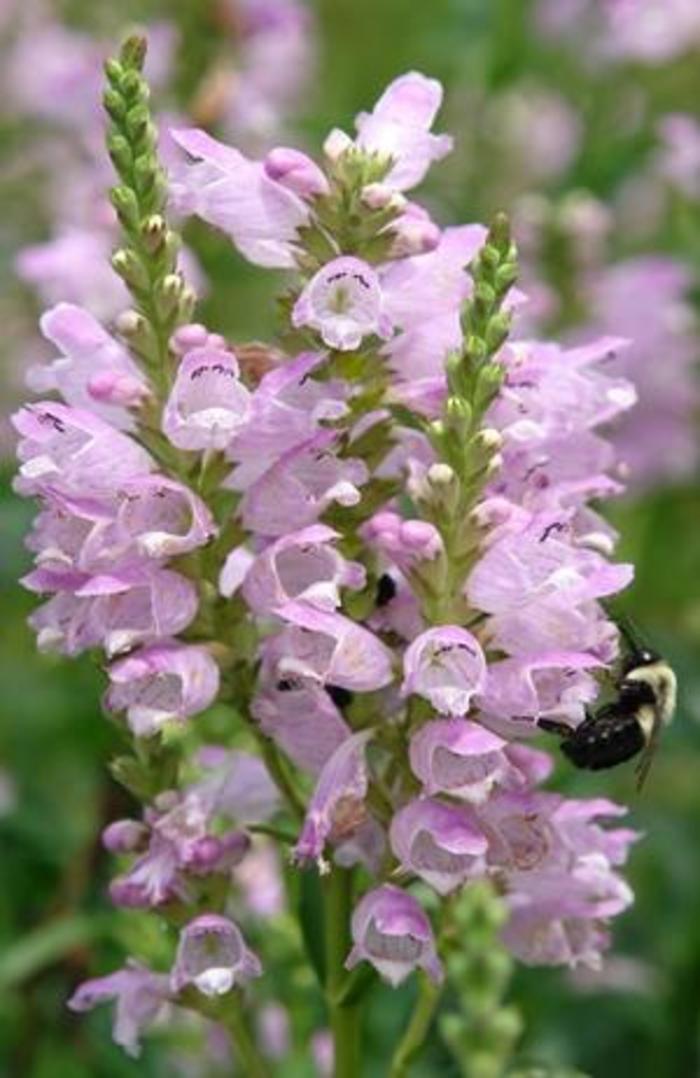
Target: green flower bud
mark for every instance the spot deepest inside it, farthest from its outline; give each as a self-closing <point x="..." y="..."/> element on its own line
<point x="114" y="72"/>
<point x="127" y="264"/>
<point x="131" y="86"/>
<point x="133" y="52"/>
<point x="485" y="294"/>
<point x="506" y="275"/>
<point x="114" y="104"/>
<point x="499" y="233"/>
<point x="120" y="152"/>
<point x="497" y="330"/>
<point x="125" y="203"/>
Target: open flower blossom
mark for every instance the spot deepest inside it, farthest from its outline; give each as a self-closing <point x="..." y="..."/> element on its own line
<point x="344" y="303"/>
<point x="213" y="957"/>
<point x="208" y="403"/>
<point x="440" y="842"/>
<point x="390" y="930"/>
<point x="447" y="666"/>
<point x="370" y="569"/>
<point x="162" y="683"/>
<point x="140" y="996"/>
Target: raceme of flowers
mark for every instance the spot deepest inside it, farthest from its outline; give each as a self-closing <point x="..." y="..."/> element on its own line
<point x="375" y="546"/>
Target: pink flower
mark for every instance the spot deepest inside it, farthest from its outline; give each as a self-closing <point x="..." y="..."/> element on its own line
<point x="73" y="450"/>
<point x="679" y="157"/>
<point x="162" y="683"/>
<point x="301" y="565"/>
<point x="423" y="296"/>
<point x="440" y="842"/>
<point x="399" y="128"/>
<point x="75" y="265"/>
<point x="390" y="930"/>
<point x="161" y="518"/>
<point x="447" y="666"/>
<point x="298" y="715"/>
<point x="336" y="806"/>
<point x="327" y="647"/>
<point x="287" y="409"/>
<point x="343" y="301"/>
<point x="300" y="486"/>
<point x="207" y="404"/>
<point x="140" y="995"/>
<point x="519" y="691"/>
<point x="213" y="957"/>
<point x="406" y="543"/>
<point x="531" y="564"/>
<point x="236" y="195"/>
<point x="458" y="757"/>
<point x="295" y="171"/>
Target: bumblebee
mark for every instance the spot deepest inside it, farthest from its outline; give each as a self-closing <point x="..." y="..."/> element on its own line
<point x="630" y="724"/>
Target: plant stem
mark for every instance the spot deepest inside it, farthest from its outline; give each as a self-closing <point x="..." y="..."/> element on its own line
<point x="251" y="1062"/>
<point x="344" y="1018"/>
<point x="417" y="1029"/>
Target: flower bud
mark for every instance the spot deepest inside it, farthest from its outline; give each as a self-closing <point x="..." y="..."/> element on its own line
<point x="295" y="171"/>
<point x="337" y="143"/>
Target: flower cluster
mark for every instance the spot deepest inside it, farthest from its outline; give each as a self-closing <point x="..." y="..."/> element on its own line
<point x="646" y="31"/>
<point x="375" y="548"/>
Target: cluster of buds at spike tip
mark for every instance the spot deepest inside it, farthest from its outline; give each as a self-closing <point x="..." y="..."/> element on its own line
<point x="474" y="377"/>
<point x="148" y="260"/>
<point x="484" y="1029"/>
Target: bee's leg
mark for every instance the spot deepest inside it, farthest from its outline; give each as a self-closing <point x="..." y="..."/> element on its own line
<point x="551" y="726"/>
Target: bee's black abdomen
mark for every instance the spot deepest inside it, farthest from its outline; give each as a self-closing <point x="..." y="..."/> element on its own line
<point x="386" y="589"/>
<point x="604" y="740"/>
<point x="340" y="697"/>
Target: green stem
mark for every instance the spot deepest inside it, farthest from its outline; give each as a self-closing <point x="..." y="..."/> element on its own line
<point x="417" y="1029"/>
<point x="252" y="1063"/>
<point x="344" y="1017"/>
<point x="276" y="767"/>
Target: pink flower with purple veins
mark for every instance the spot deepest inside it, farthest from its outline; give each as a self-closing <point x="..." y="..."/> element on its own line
<point x="287" y="409"/>
<point x="458" y="757"/>
<point x="162" y="518"/>
<point x="140" y="995"/>
<point x="344" y="303"/>
<point x="520" y="691"/>
<point x="302" y="565"/>
<point x="301" y="485"/>
<point x="446" y="666"/>
<point x="531" y="564"/>
<point x="440" y="842"/>
<point x="327" y="647"/>
<point x="73" y="451"/>
<point x="398" y="128"/>
<point x="298" y="715"/>
<point x="208" y="404"/>
<point x="163" y="683"/>
<point x="390" y="930"/>
<point x="238" y="196"/>
<point x="212" y="956"/>
<point x="336" y="809"/>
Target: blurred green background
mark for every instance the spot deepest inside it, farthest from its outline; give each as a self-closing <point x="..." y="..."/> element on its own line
<point x="56" y="926"/>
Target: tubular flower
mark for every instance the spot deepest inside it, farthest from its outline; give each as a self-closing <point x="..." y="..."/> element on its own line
<point x="374" y="564"/>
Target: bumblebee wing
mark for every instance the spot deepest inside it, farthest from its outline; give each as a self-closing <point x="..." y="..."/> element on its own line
<point x="642" y="768"/>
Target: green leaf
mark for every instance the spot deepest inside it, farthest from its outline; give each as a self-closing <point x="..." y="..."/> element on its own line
<point x="47" y="944"/>
<point x="311" y="921"/>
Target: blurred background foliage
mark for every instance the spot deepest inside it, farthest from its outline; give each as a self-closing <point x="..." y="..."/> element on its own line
<point x="642" y="1017"/>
